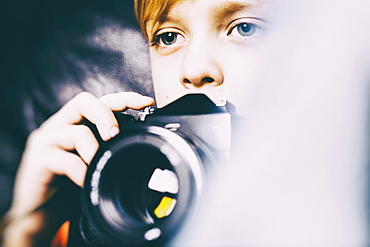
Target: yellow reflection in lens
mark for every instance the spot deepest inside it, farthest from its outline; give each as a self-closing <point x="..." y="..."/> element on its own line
<point x="165" y="207"/>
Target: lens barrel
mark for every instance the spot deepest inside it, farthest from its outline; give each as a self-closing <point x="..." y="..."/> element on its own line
<point x="140" y="187"/>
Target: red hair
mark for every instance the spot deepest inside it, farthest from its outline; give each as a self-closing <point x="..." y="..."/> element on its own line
<point x="153" y="11"/>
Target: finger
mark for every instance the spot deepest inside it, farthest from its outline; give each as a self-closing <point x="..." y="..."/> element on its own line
<point x="75" y="137"/>
<point x="57" y="162"/>
<point x="37" y="172"/>
<point x="70" y="165"/>
<point x="122" y="101"/>
<point x="70" y="137"/>
<point x="44" y="162"/>
<point x="85" y="105"/>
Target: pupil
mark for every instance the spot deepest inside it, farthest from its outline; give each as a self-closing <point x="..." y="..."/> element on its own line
<point x="245" y="29"/>
<point x="169" y="38"/>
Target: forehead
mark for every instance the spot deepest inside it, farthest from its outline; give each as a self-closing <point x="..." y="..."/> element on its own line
<point x="217" y="8"/>
<point x="185" y="11"/>
<point x="216" y="11"/>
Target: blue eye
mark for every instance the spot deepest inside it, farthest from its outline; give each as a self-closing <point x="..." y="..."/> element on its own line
<point x="167" y="39"/>
<point x="246" y="29"/>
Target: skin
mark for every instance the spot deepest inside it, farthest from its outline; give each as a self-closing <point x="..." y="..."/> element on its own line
<point x="208" y="46"/>
<point x="46" y="156"/>
<point x="203" y="46"/>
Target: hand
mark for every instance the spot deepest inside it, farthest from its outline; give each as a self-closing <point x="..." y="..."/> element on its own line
<point x="47" y="152"/>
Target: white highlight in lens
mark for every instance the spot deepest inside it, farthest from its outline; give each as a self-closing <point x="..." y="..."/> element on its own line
<point x="172" y="126"/>
<point x="95" y="179"/>
<point x="152" y="234"/>
<point x="164" y="181"/>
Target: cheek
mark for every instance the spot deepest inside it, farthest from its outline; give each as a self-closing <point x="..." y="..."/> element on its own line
<point x="240" y="72"/>
<point x="165" y="73"/>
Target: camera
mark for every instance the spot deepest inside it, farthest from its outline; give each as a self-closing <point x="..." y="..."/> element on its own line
<point x="146" y="182"/>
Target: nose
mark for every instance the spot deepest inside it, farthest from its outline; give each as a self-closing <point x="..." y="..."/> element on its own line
<point x="200" y="67"/>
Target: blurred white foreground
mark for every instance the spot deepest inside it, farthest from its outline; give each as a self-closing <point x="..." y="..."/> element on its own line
<point x="301" y="175"/>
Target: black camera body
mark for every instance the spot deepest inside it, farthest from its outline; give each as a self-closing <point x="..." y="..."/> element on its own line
<point x="143" y="184"/>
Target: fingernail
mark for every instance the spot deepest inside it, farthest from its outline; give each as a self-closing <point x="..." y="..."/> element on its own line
<point x="114" y="131"/>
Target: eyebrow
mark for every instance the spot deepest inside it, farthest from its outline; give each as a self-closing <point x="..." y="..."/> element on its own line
<point x="219" y="12"/>
<point x="227" y="9"/>
<point x="222" y="10"/>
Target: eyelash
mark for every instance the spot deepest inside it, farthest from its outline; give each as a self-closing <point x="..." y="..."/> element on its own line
<point x="250" y="29"/>
<point x="239" y="25"/>
<point x="155" y="41"/>
<point x="158" y="40"/>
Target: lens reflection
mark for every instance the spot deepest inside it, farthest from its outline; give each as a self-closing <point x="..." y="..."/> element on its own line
<point x="165" y="207"/>
<point x="145" y="191"/>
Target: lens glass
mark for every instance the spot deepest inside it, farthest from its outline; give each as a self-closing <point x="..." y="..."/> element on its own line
<point x="140" y="185"/>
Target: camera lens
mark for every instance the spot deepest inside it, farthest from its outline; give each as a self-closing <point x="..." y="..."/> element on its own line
<point x="126" y="185"/>
<point x="141" y="186"/>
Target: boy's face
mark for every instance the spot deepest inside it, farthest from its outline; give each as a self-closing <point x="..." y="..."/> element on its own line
<point x="207" y="46"/>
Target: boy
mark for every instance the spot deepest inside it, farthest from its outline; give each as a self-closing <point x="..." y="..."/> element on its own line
<point x="196" y="46"/>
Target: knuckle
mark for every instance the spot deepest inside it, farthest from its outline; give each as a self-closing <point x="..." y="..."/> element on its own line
<point x="82" y="131"/>
<point x="134" y="94"/>
<point x="35" y="136"/>
<point x="83" y="97"/>
<point x="39" y="139"/>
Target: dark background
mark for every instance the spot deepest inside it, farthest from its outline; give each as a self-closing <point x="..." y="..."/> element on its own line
<point x="52" y="50"/>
